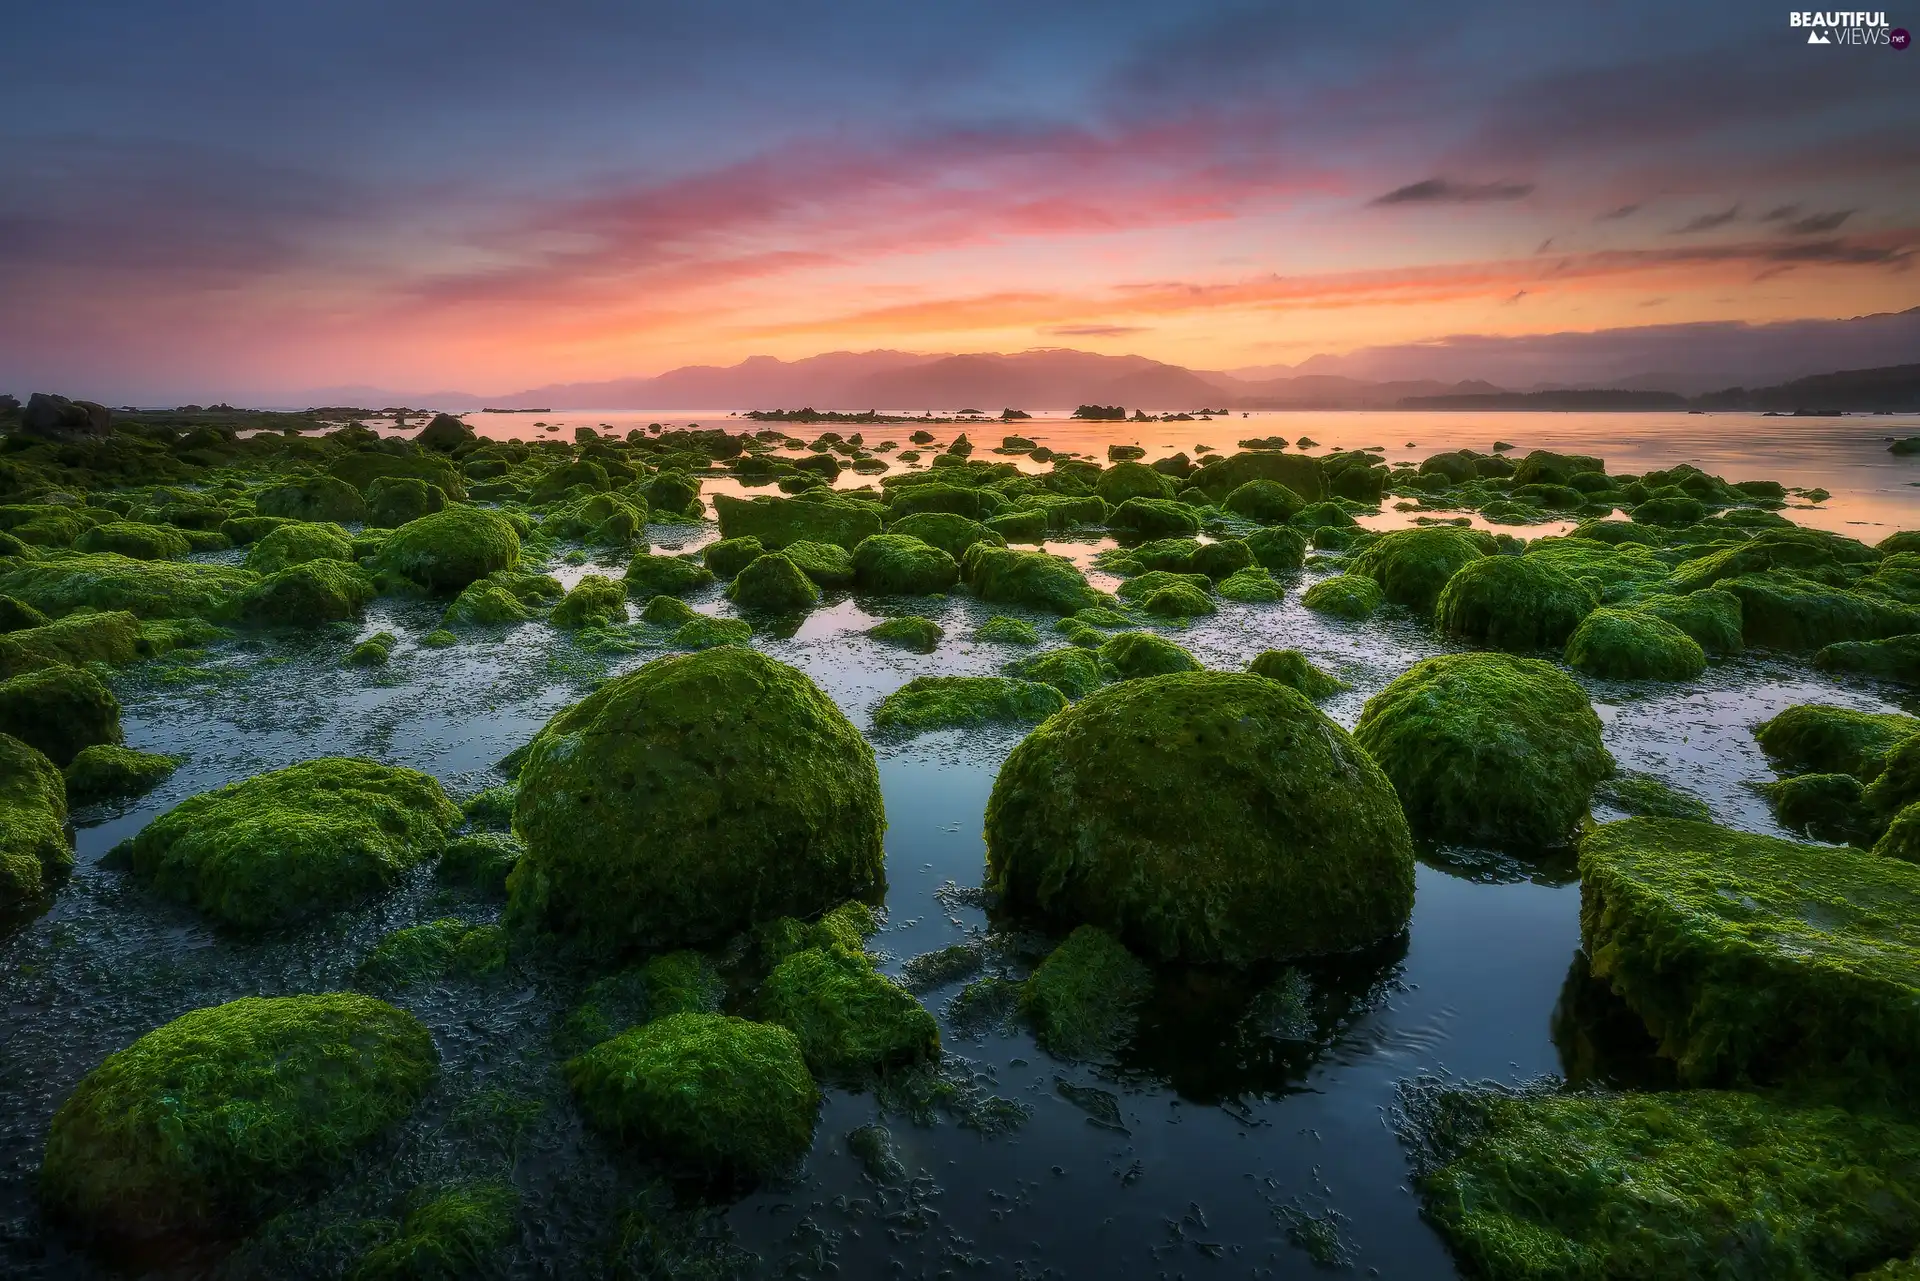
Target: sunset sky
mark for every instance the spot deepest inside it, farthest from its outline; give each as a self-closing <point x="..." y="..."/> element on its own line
<point x="246" y="200"/>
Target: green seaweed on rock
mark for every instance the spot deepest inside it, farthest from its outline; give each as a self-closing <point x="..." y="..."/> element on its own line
<point x="33" y="819"/>
<point x="105" y="771"/>
<point x="909" y="632"/>
<point x="1084" y="999"/>
<point x="1627" y="644"/>
<point x="59" y="711"/>
<point x="1816" y="738"/>
<point x="945" y="702"/>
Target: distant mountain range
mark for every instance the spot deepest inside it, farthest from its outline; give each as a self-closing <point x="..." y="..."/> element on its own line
<point x="1464" y="370"/>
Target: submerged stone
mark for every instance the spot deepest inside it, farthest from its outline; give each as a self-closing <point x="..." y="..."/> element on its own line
<point x="721" y="1095"/>
<point x="1667" y="1187"/>
<point x="213" y="1120"/>
<point x="1084" y="999"/>
<point x="1645" y="796"/>
<point x="293" y="843"/>
<point x="1757" y="961"/>
<point x="683" y="802"/>
<point x="1487" y="748"/>
<point x="1206" y="816"/>
<point x="438" y="950"/>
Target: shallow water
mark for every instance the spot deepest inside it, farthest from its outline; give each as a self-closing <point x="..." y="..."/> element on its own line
<point x="1205" y="1149"/>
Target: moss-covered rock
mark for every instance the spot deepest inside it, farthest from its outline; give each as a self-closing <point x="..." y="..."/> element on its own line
<point x="1827" y="807"/>
<point x="208" y="1122"/>
<point x="911" y="632"/>
<point x="60" y="584"/>
<point x="947" y="702"/>
<point x="595" y="601"/>
<point x="105" y="771"/>
<point x="850" y="1020"/>
<point x="1140" y="587"/>
<point x="1305" y="476"/>
<point x="136" y="540"/>
<point x="1084" y="999"/>
<point x="1074" y="672"/>
<point x="305" y="595"/>
<point x="779" y="521"/>
<point x="688" y="799"/>
<point x="1645" y="796"/>
<point x="1487" y="748"/>
<point x="1007" y="631"/>
<point x="458" y="1232"/>
<point x="773" y="583"/>
<point x="1349" y="596"/>
<point x="1711" y="617"/>
<point x="1177" y="600"/>
<point x="899" y="564"/>
<point x="1033" y="579"/>
<point x="1783" y="610"/>
<point x="362" y="468"/>
<point x="33" y="818"/>
<point x="950" y="532"/>
<point x="17" y="615"/>
<point x="1128" y="480"/>
<point x="480" y="861"/>
<point x="449" y="549"/>
<point x="1154" y="518"/>
<point x="313" y="498"/>
<point x="1291" y="667"/>
<point x="1207" y="816"/>
<point x="441" y="949"/>
<point x="374" y="651"/>
<point x="1135" y="655"/>
<point x="1514" y="603"/>
<point x="59" y="711"/>
<point x="74" y="641"/>
<point x="1896" y="658"/>
<point x="1024" y="525"/>
<point x="717" y="1094"/>
<point x="1628" y="645"/>
<point x="1759" y="961"/>
<point x="297" y="542"/>
<point x="729" y="556"/>
<point x="1667" y="1187"/>
<point x="1412" y="566"/>
<point x="1818" y="739"/>
<point x="1253" y="585"/>
<point x="829" y="565"/>
<point x="1265" y="501"/>
<point x="703" y="631"/>
<point x="392" y="501"/>
<point x="292" y="843"/>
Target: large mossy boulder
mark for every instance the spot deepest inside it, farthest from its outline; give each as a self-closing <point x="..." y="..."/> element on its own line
<point x="687" y="800"/>
<point x="718" y="1096"/>
<point x="293" y="843"/>
<point x="1896" y="658"/>
<point x="1291" y="667"/>
<point x="1034" y="579"/>
<point x="649" y="575"/>
<point x="1783" y="610"/>
<point x="1628" y="645"/>
<point x="106" y="771"/>
<point x="902" y="565"/>
<point x="59" y="711"/>
<point x="1153" y="518"/>
<point x="86" y="637"/>
<point x="392" y="501"/>
<point x="1820" y="739"/>
<point x="216" y="1119"/>
<point x="1513" y="603"/>
<point x="60" y="584"/>
<point x="1131" y="656"/>
<point x="1349" y="596"/>
<point x="449" y="549"/>
<point x="308" y="594"/>
<point x="950" y="532"/>
<point x="779" y="521"/>
<point x="297" y="542"/>
<point x="1757" y="961"/>
<point x="1412" y="566"/>
<point x="1125" y="481"/>
<point x="136" y="540"/>
<point x="363" y="468"/>
<point x="1221" y="476"/>
<point x="33" y="823"/>
<point x="313" y="498"/>
<point x="1667" y="1187"/>
<point x="594" y="601"/>
<point x="1205" y="816"/>
<point x="1487" y="748"/>
<point x="774" y="584"/>
<point x="1265" y="501"/>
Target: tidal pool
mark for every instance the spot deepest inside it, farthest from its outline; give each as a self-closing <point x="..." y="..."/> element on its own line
<point x="1231" y="1138"/>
